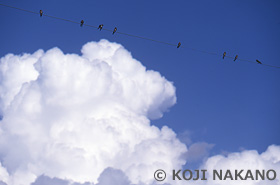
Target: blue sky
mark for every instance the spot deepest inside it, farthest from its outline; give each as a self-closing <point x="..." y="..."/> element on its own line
<point x="230" y="104"/>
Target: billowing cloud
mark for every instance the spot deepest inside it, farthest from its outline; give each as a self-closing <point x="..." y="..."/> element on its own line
<point x="247" y="160"/>
<point x="68" y="117"/>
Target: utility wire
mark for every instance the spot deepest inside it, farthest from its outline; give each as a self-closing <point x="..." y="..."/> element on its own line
<point x="135" y="36"/>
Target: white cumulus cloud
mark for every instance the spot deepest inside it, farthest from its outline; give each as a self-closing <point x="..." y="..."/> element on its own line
<point x="246" y="160"/>
<point x="66" y="118"/>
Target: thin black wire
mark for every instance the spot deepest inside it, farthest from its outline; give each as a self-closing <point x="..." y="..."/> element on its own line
<point x="19" y="8"/>
<point x="67" y="20"/>
<point x="135" y="36"/>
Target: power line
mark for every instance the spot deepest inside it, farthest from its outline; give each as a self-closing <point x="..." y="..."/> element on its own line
<point x="135" y="36"/>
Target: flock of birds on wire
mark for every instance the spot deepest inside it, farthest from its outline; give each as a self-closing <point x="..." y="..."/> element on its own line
<point x="100" y="27"/>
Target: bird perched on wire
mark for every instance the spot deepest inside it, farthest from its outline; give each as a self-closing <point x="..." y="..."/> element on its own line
<point x="115" y="29"/>
<point x="235" y="58"/>
<point x="100" y="27"/>
<point x="82" y="23"/>
<point x="224" y="54"/>
<point x="41" y="13"/>
<point x="179" y="44"/>
<point x="258" y="61"/>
